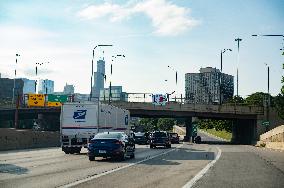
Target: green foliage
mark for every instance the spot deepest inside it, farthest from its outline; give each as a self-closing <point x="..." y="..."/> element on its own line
<point x="149" y="124"/>
<point x="258" y="99"/>
<point x="218" y="125"/>
<point x="279" y="100"/>
<point x="154" y="124"/>
<point x="236" y="99"/>
<point x="166" y="124"/>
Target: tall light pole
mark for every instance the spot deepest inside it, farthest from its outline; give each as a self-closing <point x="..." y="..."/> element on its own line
<point x="13" y="97"/>
<point x="220" y="78"/>
<point x="36" y="72"/>
<point x="176" y="78"/>
<point x="92" y="74"/>
<point x="238" y="40"/>
<point x="114" y="56"/>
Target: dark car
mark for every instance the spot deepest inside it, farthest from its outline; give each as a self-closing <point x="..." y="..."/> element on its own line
<point x="160" y="138"/>
<point x="141" y="138"/>
<point x="111" y="144"/>
<point x="174" y="138"/>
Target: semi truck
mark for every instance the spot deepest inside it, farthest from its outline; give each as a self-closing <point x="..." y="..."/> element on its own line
<point x="80" y="122"/>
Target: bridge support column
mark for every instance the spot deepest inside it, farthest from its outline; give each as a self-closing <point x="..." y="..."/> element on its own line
<point x="49" y="122"/>
<point x="244" y="131"/>
<point x="188" y="125"/>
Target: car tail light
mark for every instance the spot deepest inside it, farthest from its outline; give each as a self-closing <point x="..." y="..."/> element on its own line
<point x="92" y="142"/>
<point x="118" y="142"/>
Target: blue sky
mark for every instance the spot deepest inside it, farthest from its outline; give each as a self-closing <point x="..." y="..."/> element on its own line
<point x="185" y="34"/>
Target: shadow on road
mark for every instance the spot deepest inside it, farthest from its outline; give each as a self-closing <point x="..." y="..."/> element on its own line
<point x="12" y="169"/>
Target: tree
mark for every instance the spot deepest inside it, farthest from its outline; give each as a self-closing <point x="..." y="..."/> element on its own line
<point x="165" y="124"/>
<point x="279" y="100"/>
<point x="236" y="99"/>
<point x="149" y="124"/>
<point x="258" y="99"/>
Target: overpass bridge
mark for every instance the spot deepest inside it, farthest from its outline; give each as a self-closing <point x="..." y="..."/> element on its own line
<point x="245" y="118"/>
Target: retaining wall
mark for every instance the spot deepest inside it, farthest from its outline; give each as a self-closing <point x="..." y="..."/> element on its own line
<point x="11" y="138"/>
<point x="273" y="139"/>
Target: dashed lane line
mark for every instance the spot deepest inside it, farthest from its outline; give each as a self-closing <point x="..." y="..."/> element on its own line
<point x="201" y="173"/>
<point x="114" y="170"/>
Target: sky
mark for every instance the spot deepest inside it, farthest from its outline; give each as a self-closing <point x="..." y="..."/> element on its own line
<point x="152" y="34"/>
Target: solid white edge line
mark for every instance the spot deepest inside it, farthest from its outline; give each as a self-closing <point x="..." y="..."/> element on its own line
<point x="201" y="173"/>
<point x="114" y="170"/>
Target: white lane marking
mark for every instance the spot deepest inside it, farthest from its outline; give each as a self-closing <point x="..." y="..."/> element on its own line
<point x="114" y="170"/>
<point x="201" y="173"/>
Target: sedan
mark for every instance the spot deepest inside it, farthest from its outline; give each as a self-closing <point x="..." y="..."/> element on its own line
<point x="111" y="144"/>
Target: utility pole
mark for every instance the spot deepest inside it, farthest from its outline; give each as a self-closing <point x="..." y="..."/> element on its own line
<point x="238" y="40"/>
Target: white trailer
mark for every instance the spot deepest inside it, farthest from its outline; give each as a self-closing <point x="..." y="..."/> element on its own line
<point x="81" y="121"/>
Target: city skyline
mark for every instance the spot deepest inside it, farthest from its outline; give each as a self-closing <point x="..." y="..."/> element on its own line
<point x="185" y="35"/>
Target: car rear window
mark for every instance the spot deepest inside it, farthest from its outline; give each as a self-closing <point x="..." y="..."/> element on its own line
<point x="160" y="134"/>
<point x="109" y="135"/>
<point x="174" y="135"/>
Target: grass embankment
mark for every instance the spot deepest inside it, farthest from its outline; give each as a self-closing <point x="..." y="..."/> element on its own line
<point x="222" y="134"/>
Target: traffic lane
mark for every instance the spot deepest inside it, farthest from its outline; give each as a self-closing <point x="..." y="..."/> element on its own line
<point x="241" y="166"/>
<point x="37" y="168"/>
<point x="174" y="169"/>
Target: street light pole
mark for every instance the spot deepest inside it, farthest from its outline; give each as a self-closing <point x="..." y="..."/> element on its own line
<point x="220" y="78"/>
<point x="92" y="74"/>
<point x="13" y="97"/>
<point x="36" y="71"/>
<point x="238" y="40"/>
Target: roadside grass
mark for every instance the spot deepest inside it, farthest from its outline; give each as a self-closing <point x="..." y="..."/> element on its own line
<point x="222" y="134"/>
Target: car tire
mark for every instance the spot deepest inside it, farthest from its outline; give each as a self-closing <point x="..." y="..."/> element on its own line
<point x="91" y="158"/>
<point x="72" y="150"/>
<point x="151" y="146"/>
<point x="132" y="156"/>
<point x="170" y="146"/>
<point x="123" y="156"/>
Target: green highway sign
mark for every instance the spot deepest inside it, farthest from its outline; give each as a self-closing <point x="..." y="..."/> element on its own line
<point x="57" y="98"/>
<point x="265" y="123"/>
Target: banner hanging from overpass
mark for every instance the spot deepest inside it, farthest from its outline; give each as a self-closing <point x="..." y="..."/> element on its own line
<point x="159" y="99"/>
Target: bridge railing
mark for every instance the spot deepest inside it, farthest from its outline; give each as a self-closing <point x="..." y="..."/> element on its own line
<point x="173" y="106"/>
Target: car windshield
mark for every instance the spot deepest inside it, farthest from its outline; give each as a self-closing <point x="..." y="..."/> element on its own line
<point x="160" y="134"/>
<point x="108" y="135"/>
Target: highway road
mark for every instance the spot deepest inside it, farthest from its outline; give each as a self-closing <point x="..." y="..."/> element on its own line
<point x="238" y="166"/>
<point x="52" y="168"/>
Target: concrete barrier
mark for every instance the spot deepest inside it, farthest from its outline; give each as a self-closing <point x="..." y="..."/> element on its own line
<point x="11" y="138"/>
<point x="273" y="139"/>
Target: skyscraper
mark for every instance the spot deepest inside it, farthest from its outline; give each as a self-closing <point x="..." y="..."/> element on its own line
<point x="68" y="89"/>
<point x="29" y="86"/>
<point x="205" y="87"/>
<point x="46" y="86"/>
<point x="98" y="78"/>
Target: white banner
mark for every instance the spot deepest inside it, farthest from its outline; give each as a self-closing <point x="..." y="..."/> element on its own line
<point x="159" y="99"/>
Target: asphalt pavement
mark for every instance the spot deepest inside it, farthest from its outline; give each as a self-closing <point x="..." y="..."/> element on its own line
<point x="238" y="166"/>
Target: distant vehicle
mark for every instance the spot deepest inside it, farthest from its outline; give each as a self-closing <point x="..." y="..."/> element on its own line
<point x="111" y="144"/>
<point x="160" y="138"/>
<point x="197" y="140"/>
<point x="80" y="122"/>
<point x="141" y="138"/>
<point x="174" y="138"/>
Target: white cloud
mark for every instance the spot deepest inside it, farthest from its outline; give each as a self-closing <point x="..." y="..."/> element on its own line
<point x="166" y="17"/>
<point x="116" y="12"/>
